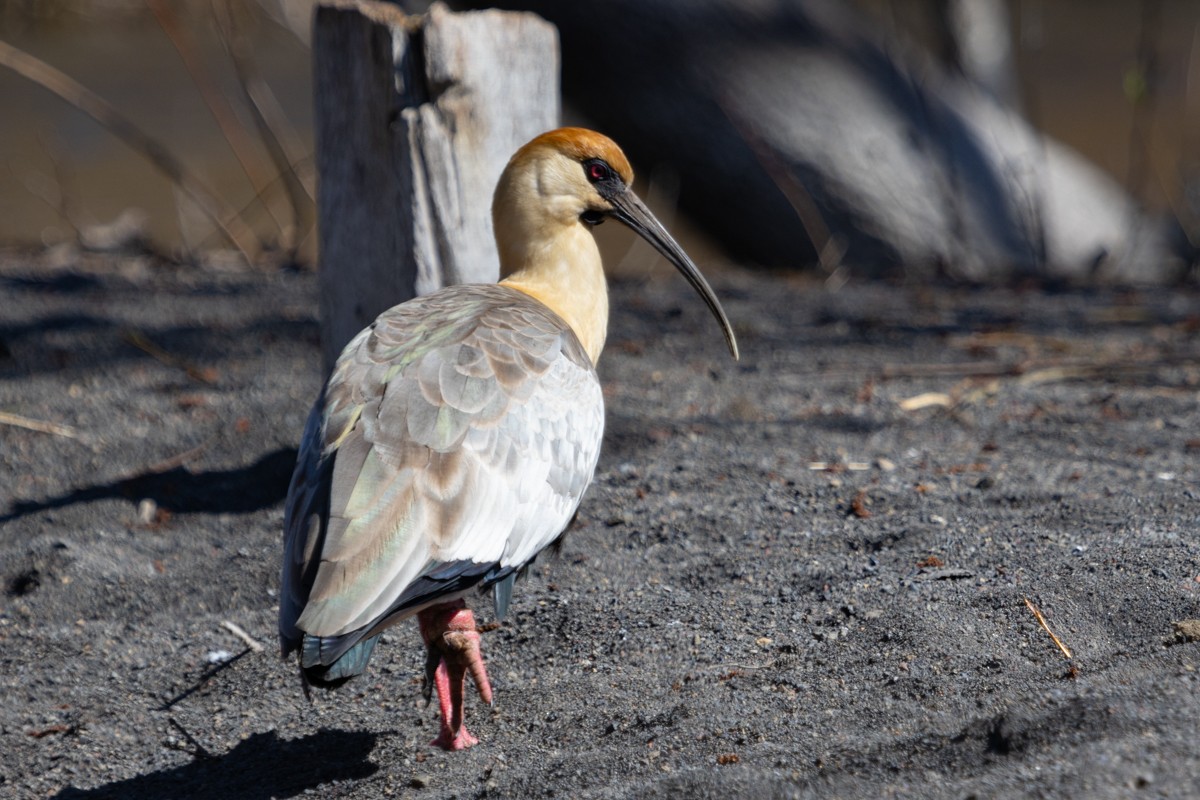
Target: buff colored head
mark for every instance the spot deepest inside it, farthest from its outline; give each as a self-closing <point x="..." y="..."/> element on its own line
<point x="552" y="192"/>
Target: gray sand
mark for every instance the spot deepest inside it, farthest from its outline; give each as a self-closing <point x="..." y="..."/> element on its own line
<point x="781" y="584"/>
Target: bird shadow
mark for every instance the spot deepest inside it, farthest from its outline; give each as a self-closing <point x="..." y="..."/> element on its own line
<point x="261" y="767"/>
<point x="179" y="490"/>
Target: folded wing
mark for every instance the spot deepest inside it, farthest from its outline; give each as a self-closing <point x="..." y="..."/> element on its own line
<point x="453" y="442"/>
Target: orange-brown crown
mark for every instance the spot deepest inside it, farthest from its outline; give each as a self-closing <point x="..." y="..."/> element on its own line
<point x="580" y="144"/>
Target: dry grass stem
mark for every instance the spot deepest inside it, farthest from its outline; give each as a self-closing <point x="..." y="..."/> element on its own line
<point x="231" y="225"/>
<point x="240" y="141"/>
<point x="274" y="129"/>
<point x="18" y="421"/>
<point x="168" y="464"/>
<point x="139" y="340"/>
<point x="926" y="400"/>
<point x="1046" y="627"/>
<point x="240" y="633"/>
<point x="830" y="248"/>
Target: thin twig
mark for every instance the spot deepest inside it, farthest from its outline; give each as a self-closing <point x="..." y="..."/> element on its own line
<point x="1046" y="627"/>
<point x="925" y="400"/>
<point x="240" y="633"/>
<point x="829" y="247"/>
<point x="49" y="190"/>
<point x="1141" y="90"/>
<point x="139" y="340"/>
<point x="278" y="135"/>
<point x="236" y="231"/>
<point x="302" y="165"/>
<point x="18" y="421"/>
<point x="239" y="139"/>
<point x="1027" y="370"/>
<point x="64" y="178"/>
<point x="168" y="464"/>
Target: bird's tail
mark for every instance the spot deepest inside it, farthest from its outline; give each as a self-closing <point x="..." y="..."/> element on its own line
<point x="314" y="651"/>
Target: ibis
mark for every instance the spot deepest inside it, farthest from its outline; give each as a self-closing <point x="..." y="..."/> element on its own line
<point x="457" y="434"/>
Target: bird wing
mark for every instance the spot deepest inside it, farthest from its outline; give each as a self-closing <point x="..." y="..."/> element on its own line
<point x="453" y="442"/>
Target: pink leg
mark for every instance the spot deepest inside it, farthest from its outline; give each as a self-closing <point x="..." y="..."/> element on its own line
<point x="452" y="651"/>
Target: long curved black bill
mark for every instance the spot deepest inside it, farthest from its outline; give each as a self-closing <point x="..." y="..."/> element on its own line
<point x="629" y="209"/>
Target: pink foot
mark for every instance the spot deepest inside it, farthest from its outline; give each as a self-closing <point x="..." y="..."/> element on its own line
<point x="452" y="651"/>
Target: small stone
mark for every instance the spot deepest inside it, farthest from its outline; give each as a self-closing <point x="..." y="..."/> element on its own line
<point x="1188" y="630"/>
<point x="418" y="781"/>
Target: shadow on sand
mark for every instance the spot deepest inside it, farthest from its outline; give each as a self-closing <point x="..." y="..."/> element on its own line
<point x="259" y="485"/>
<point x="261" y="767"/>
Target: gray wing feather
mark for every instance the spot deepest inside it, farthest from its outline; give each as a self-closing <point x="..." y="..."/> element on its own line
<point x="462" y="427"/>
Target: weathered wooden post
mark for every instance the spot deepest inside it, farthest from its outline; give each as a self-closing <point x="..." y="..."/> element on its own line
<point x="415" y="118"/>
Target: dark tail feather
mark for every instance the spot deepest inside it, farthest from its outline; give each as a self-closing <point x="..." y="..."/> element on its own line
<point x="502" y="594"/>
<point x="346" y="666"/>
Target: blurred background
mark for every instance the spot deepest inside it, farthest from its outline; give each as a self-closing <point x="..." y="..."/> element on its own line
<point x="225" y="87"/>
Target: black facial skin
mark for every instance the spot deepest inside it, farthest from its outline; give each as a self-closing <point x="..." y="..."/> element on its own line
<point x="606" y="180"/>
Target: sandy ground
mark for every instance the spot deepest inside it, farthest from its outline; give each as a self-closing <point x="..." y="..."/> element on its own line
<point x="783" y="583"/>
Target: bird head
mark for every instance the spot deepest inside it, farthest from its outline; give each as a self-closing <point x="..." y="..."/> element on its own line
<point x="567" y="181"/>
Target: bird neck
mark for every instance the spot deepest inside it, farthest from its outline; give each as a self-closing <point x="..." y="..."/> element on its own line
<point x="559" y="265"/>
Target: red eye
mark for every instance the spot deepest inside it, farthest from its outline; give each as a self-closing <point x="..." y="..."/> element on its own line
<point x="597" y="172"/>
